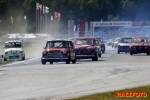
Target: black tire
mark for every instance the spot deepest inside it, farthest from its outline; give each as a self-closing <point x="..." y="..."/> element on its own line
<point x="5" y="59"/>
<point x="74" y="61"/>
<point x="103" y="51"/>
<point x="100" y="55"/>
<point x="95" y="58"/>
<point x="118" y="52"/>
<point x="43" y="62"/>
<point x="68" y="60"/>
<point x="148" y="53"/>
<point x="51" y="62"/>
<point x="131" y="53"/>
<point x="23" y="58"/>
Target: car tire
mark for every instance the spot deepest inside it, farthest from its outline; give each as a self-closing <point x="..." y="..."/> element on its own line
<point x="118" y="52"/>
<point x="103" y="51"/>
<point x="68" y="60"/>
<point x="5" y="59"/>
<point x="148" y="53"/>
<point x="95" y="58"/>
<point x="23" y="58"/>
<point x="74" y="61"/>
<point x="131" y="53"/>
<point x="51" y="62"/>
<point x="43" y="62"/>
<point x="100" y="54"/>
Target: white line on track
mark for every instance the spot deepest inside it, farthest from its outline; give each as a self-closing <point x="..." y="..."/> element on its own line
<point x="19" y="62"/>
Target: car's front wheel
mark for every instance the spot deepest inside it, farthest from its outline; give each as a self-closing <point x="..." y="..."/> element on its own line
<point x="148" y="53"/>
<point x="51" y="62"/>
<point x="5" y="59"/>
<point x="43" y="62"/>
<point x="131" y="53"/>
<point x="74" y="61"/>
<point x="95" y="58"/>
<point x="68" y="60"/>
<point x="23" y="58"/>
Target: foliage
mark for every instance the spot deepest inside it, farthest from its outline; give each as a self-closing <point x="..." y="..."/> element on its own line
<point x="95" y="10"/>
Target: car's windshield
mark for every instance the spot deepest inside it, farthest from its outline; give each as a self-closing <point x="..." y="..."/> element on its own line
<point x="100" y="39"/>
<point x="57" y="44"/>
<point x="13" y="45"/>
<point x="84" y="41"/>
<point x="126" y="40"/>
<point x="140" y="40"/>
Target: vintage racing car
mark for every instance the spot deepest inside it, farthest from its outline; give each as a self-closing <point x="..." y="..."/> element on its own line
<point x="102" y="44"/>
<point x="87" y="47"/>
<point x="139" y="44"/>
<point x="57" y="51"/>
<point x="124" y="44"/>
<point x="13" y="50"/>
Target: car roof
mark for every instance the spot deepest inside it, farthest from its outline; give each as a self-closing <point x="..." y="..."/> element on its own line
<point x="140" y="37"/>
<point x="97" y="37"/>
<point x="13" y="41"/>
<point x="59" y="40"/>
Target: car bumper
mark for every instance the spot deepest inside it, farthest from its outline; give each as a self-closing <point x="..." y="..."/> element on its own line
<point x="54" y="59"/>
<point x="84" y="56"/>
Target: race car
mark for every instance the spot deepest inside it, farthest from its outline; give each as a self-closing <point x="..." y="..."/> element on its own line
<point x="140" y="44"/>
<point x="124" y="44"/>
<point x="102" y="44"/>
<point x="87" y="48"/>
<point x="13" y="50"/>
<point x="58" y="51"/>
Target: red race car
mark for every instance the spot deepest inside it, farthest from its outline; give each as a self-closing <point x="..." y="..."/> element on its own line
<point x="86" y="48"/>
<point x="58" y="50"/>
<point x="102" y="44"/>
<point x="139" y="44"/>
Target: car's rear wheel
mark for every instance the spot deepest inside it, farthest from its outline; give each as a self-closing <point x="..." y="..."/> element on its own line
<point x="43" y="62"/>
<point x="148" y="53"/>
<point x="51" y="62"/>
<point x="131" y="53"/>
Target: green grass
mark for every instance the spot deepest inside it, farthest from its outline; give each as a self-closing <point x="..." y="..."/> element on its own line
<point x="113" y="95"/>
<point x="6" y="62"/>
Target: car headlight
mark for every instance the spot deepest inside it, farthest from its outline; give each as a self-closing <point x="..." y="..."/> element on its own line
<point x="63" y="51"/>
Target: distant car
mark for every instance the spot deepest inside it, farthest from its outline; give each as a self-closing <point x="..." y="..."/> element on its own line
<point x="124" y="44"/>
<point x="102" y="44"/>
<point x="13" y="50"/>
<point x="140" y="44"/>
<point x="87" y="48"/>
<point x="58" y="51"/>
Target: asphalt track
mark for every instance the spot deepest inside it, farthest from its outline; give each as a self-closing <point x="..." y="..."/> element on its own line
<point x="31" y="80"/>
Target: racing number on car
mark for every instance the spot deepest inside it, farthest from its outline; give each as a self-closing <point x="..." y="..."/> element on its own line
<point x="72" y="55"/>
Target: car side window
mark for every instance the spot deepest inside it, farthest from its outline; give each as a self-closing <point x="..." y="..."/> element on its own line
<point x="96" y="42"/>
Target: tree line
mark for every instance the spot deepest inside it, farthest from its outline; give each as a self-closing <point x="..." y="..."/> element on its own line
<point x="94" y="10"/>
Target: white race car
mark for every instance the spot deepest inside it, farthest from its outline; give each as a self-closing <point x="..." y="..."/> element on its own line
<point x="13" y="50"/>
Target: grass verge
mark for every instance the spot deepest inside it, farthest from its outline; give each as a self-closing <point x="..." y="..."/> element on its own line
<point x="6" y="62"/>
<point x="113" y="95"/>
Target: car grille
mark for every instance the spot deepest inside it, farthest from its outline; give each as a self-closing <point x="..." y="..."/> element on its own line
<point x="53" y="55"/>
<point x="82" y="51"/>
<point x="125" y="47"/>
<point x="141" y="48"/>
<point x="13" y="57"/>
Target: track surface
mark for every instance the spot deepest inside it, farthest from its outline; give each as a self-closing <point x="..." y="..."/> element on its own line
<point x="31" y="80"/>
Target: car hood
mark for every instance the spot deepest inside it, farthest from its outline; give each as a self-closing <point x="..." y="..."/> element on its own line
<point x="82" y="46"/>
<point x="140" y="44"/>
<point x="13" y="49"/>
<point x="55" y="49"/>
<point x="124" y="44"/>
